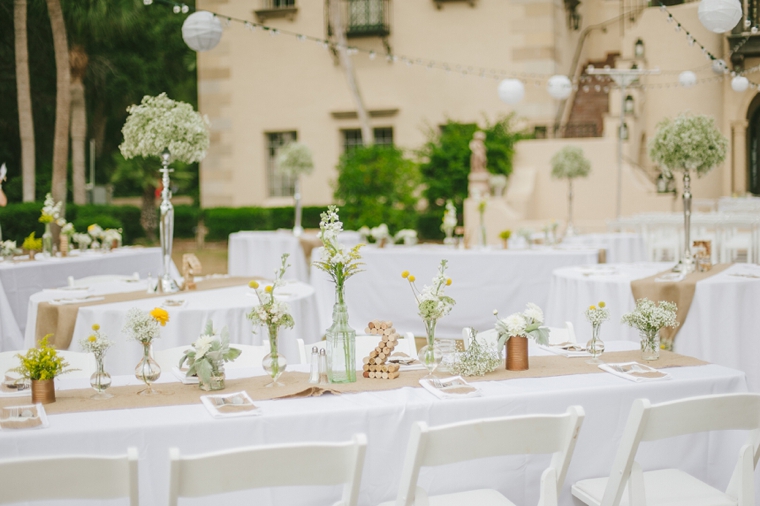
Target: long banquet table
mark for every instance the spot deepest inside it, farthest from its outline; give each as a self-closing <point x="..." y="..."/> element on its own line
<point x="483" y="280"/>
<point x="222" y="306"/>
<point x="386" y="418"/>
<point x="20" y="280"/>
<point x="721" y="326"/>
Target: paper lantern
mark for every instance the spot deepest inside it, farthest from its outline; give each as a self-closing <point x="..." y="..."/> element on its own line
<point x="559" y="87"/>
<point x="719" y="16"/>
<point x="719" y="66"/>
<point x="511" y="91"/>
<point x="687" y="79"/>
<point x="740" y="83"/>
<point x="201" y="31"/>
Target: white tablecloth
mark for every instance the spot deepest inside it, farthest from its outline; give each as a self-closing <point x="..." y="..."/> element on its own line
<point x="621" y="247"/>
<point x="224" y="306"/>
<point x="483" y="280"/>
<point x="721" y="327"/>
<point x="254" y="253"/>
<point x="386" y="418"/>
<point x="18" y="281"/>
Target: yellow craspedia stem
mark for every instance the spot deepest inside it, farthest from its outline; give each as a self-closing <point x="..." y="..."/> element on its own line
<point x="268" y="289"/>
<point x="92" y="338"/>
<point x="592" y="308"/>
<point x="411" y="279"/>
<point x="448" y="282"/>
<point x="405" y="274"/>
<point x="161" y="315"/>
<point x="95" y="326"/>
<point x="602" y="304"/>
<point x="253" y="284"/>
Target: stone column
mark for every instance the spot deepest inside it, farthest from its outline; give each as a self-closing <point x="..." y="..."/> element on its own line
<point x="739" y="157"/>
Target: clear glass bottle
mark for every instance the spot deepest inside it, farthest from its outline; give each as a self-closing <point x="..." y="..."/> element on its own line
<point x="216" y="381"/>
<point x="314" y="369"/>
<point x="430" y="355"/>
<point x="341" y="343"/>
<point x="274" y="363"/>
<point x="650" y="344"/>
<point x="100" y="379"/>
<point x="47" y="241"/>
<point x="595" y="346"/>
<point x="147" y="369"/>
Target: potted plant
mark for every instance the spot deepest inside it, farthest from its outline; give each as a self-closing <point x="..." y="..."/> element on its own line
<point x="514" y="331"/>
<point x="569" y="163"/>
<point x="207" y="356"/>
<point x="41" y="365"/>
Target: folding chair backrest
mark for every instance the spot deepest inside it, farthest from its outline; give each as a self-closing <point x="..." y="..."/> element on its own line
<point x="269" y="466"/>
<point x="69" y="477"/>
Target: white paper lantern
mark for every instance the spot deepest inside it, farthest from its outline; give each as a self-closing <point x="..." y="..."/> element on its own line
<point x="511" y="91"/>
<point x="719" y="66"/>
<point x="687" y="79"/>
<point x="719" y="16"/>
<point x="559" y="87"/>
<point x="740" y="83"/>
<point x="201" y="31"/>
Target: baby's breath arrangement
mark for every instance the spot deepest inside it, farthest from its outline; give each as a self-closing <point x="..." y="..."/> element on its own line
<point x="686" y="143"/>
<point x="526" y="324"/>
<point x="145" y="326"/>
<point x="207" y="352"/>
<point x="338" y="261"/>
<point x="96" y="343"/>
<point x="294" y="159"/>
<point x="7" y="248"/>
<point x="160" y="123"/>
<point x="42" y="363"/>
<point x="598" y="314"/>
<point x="432" y="303"/>
<point x="478" y="360"/>
<point x="51" y="211"/>
<point x="569" y="163"/>
<point x="270" y="311"/>
<point x="651" y="316"/>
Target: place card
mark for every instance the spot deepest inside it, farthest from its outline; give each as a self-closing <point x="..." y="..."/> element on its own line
<point x="634" y="371"/>
<point x="230" y="405"/>
<point x="454" y="387"/>
<point x="28" y="416"/>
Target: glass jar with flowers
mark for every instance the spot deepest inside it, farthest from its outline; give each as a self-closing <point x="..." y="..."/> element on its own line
<point x="51" y="213"/>
<point x="144" y="327"/>
<point x="514" y="331"/>
<point x="273" y="314"/>
<point x="432" y="305"/>
<point x="7" y="249"/>
<point x="340" y="263"/>
<point x="596" y="315"/>
<point x="650" y="317"/>
<point x="41" y="365"/>
<point x="97" y="343"/>
<point x="206" y="358"/>
<point x="65" y="239"/>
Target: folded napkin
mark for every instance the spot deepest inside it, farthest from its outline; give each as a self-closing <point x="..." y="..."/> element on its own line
<point x="566" y="349"/>
<point x="30" y="416"/>
<point x="172" y="303"/>
<point x="405" y="362"/>
<point x="633" y="371"/>
<point x="230" y="405"/>
<point x="454" y="387"/>
<point x="14" y="385"/>
<point x="670" y="277"/>
<point x="74" y="300"/>
<point x="602" y="270"/>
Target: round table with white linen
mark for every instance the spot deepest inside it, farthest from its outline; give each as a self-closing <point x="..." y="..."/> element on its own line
<point x="483" y="280"/>
<point x="20" y="280"/>
<point x="721" y="326"/>
<point x="386" y="418"/>
<point x="622" y="247"/>
<point x="222" y="306"/>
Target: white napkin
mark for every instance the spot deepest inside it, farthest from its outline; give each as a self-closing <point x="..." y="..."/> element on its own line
<point x="670" y="277"/>
<point x="25" y="413"/>
<point x="182" y="376"/>
<point x="566" y="351"/>
<point x="632" y="371"/>
<point x="74" y="300"/>
<point x="454" y="387"/>
<point x="234" y="399"/>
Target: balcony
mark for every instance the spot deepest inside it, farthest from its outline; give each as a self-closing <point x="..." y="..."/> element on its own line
<point x="743" y="43"/>
<point x="365" y="18"/>
<point x="271" y="9"/>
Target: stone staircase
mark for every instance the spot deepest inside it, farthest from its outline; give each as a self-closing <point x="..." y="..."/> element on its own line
<point x="591" y="102"/>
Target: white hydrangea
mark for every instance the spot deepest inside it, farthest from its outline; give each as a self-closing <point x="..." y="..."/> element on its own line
<point x="534" y="313"/>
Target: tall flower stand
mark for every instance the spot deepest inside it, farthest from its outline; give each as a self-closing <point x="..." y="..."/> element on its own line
<point x="686" y="264"/>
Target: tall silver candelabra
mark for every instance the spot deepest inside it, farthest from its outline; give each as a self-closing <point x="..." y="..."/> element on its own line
<point x="166" y="226"/>
<point x="686" y="264"/>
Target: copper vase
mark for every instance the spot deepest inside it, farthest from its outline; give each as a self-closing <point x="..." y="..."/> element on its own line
<point x="43" y="391"/>
<point x="517" y="353"/>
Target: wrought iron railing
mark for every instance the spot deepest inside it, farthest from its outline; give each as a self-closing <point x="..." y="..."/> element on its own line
<point x="366" y="18"/>
<point x="277" y="4"/>
<point x="566" y="131"/>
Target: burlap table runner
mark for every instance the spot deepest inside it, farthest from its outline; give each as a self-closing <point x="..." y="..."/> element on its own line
<point x="296" y="384"/>
<point x="60" y="320"/>
<point x="308" y="243"/>
<point x="679" y="292"/>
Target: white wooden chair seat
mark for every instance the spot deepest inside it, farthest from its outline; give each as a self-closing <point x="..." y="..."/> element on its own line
<point x="663" y="487"/>
<point x="482" y="497"/>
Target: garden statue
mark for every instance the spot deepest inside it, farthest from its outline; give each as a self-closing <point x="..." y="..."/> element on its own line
<point x="478" y="179"/>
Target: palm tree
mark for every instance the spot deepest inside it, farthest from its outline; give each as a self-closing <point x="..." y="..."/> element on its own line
<point x="79" y="59"/>
<point x="62" y="101"/>
<point x="23" y="92"/>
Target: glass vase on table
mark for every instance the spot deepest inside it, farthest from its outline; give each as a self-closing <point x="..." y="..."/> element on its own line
<point x="47" y="242"/>
<point x="274" y="363"/>
<point x="430" y="355"/>
<point x="595" y="346"/>
<point x="650" y="344"/>
<point x="216" y="379"/>
<point x="148" y="370"/>
<point x="341" y="342"/>
<point x="100" y="379"/>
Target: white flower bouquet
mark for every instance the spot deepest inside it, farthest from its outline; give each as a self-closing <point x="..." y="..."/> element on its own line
<point x="270" y="311"/>
<point x="338" y="261"/>
<point x="7" y="248"/>
<point x="529" y="324"/>
<point x="95" y="231"/>
<point x="407" y="236"/>
<point x="96" y="343"/>
<point x="294" y="159"/>
<point x="432" y="302"/>
<point x="111" y="235"/>
<point x="651" y="316"/>
<point x="478" y="360"/>
<point x="82" y="240"/>
<point x="145" y="326"/>
<point x="160" y="123"/>
<point x="68" y="229"/>
<point x="51" y="211"/>
<point x="596" y="315"/>
<point x="208" y="353"/>
<point x="380" y="233"/>
<point x="686" y="143"/>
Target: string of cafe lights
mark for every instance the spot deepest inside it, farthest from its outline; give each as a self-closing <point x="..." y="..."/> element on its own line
<point x="582" y="83"/>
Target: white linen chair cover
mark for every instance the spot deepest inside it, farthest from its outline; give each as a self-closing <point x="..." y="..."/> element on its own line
<point x="364" y="344"/>
<point x="490" y="437"/>
<point x="70" y="477"/>
<point x="250" y="356"/>
<point x="269" y="466"/>
<point x="84" y="363"/>
<point x="648" y="422"/>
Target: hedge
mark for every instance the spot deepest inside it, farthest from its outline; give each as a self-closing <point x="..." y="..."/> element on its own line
<point x="223" y="221"/>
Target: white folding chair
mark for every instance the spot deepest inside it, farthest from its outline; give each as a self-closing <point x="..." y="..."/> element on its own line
<point x="250" y="356"/>
<point x="483" y="438"/>
<point x="269" y="466"/>
<point x="70" y="477"/>
<point x="364" y="344"/>
<point x="648" y="422"/>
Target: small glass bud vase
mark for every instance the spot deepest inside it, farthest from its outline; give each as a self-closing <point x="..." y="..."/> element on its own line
<point x="274" y="363"/>
<point x="100" y="380"/>
<point x="341" y="343"/>
<point x="216" y="380"/>
<point x="148" y="370"/>
<point x="650" y="344"/>
<point x="595" y="346"/>
<point x="47" y="241"/>
<point x="430" y="354"/>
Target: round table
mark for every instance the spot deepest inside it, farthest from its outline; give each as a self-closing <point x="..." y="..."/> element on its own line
<point x="721" y="326"/>
<point x="222" y="306"/>
<point x="621" y="247"/>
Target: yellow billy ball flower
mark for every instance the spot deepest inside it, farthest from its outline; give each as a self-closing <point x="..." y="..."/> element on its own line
<point x="448" y="282"/>
<point x="602" y="304"/>
<point x="405" y="274"/>
<point x="92" y="339"/>
<point x="95" y="326"/>
<point x="591" y="308"/>
<point x="161" y="315"/>
<point x="253" y="284"/>
<point x="411" y="279"/>
<point x="268" y="289"/>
